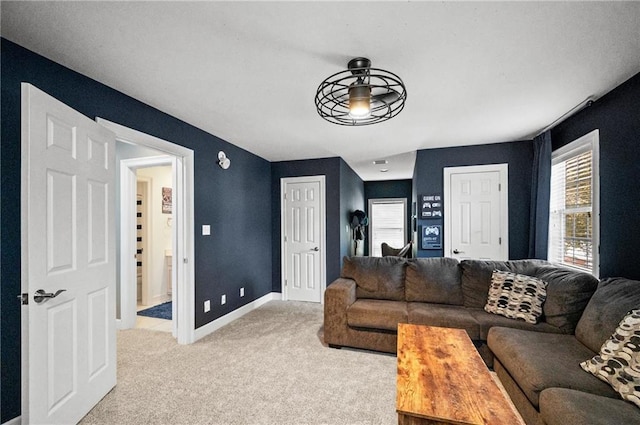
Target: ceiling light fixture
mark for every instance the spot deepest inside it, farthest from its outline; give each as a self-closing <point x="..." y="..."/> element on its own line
<point x="360" y="95"/>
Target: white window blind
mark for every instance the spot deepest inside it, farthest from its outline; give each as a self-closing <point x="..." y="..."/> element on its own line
<point x="573" y="205"/>
<point x="387" y="220"/>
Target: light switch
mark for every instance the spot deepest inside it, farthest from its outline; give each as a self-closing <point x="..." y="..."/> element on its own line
<point x="206" y="230"/>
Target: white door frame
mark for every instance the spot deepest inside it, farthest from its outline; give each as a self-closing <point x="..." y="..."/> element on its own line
<point x="323" y="233"/>
<point x="503" y="169"/>
<point x="183" y="286"/>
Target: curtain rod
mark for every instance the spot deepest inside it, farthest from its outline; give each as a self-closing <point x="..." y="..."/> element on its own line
<point x="579" y="107"/>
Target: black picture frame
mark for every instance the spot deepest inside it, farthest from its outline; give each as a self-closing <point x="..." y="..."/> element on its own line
<point x="431" y="206"/>
<point x="431" y="236"/>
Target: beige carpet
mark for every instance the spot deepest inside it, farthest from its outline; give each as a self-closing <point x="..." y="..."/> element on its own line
<point x="268" y="367"/>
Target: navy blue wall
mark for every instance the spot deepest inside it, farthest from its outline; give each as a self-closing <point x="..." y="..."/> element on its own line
<point x="237" y="254"/>
<point x="428" y="178"/>
<point x="351" y="199"/>
<point x="617" y="116"/>
<point x="389" y="189"/>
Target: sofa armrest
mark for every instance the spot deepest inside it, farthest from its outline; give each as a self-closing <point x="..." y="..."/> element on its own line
<point x="337" y="298"/>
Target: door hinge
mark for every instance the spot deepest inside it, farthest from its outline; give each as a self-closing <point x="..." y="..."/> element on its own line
<point x="24" y="299"/>
<point x="285" y="238"/>
<point x="285" y="283"/>
<point x="499" y="187"/>
<point x="499" y="241"/>
<point x="285" y="196"/>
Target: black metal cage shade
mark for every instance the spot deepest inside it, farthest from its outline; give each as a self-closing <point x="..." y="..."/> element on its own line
<point x="388" y="94"/>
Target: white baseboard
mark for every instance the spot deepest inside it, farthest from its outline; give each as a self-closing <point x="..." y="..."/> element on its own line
<point x="14" y="421"/>
<point x="159" y="299"/>
<point x="205" y="330"/>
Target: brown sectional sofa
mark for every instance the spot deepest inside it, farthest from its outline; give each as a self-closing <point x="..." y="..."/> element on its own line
<point x="542" y="372"/>
<point x="538" y="364"/>
<point x="374" y="294"/>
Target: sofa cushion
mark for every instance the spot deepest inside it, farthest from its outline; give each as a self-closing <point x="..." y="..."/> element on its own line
<point x="487" y="321"/>
<point x="562" y="406"/>
<point x="434" y="280"/>
<point x="608" y="305"/>
<point x="476" y="277"/>
<point x="376" y="277"/>
<point x="377" y="314"/>
<point x="568" y="293"/>
<point x="516" y="296"/>
<point x="537" y="361"/>
<point x="618" y="362"/>
<point x="446" y="316"/>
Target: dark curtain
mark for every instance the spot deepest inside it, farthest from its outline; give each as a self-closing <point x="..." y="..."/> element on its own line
<point x="540" y="191"/>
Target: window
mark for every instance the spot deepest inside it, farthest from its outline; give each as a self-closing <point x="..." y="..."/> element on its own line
<point x="387" y="221"/>
<point x="573" y="207"/>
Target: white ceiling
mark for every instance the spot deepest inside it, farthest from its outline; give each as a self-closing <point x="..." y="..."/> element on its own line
<point x="247" y="72"/>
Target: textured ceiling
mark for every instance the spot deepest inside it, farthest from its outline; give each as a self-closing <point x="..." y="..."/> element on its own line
<point x="247" y="72"/>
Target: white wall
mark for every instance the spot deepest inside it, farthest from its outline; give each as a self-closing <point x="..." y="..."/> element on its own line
<point x="159" y="231"/>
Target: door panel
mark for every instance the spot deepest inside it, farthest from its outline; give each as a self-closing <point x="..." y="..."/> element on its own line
<point x="303" y="241"/>
<point x="476" y="224"/>
<point x="98" y="215"/>
<point x="62" y="355"/>
<point x="68" y="238"/>
<point x="98" y="307"/>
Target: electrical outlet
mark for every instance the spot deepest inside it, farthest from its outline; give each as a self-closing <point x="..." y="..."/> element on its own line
<point x="223" y="300"/>
<point x="207" y="306"/>
<point x="241" y="292"/>
<point x="206" y="229"/>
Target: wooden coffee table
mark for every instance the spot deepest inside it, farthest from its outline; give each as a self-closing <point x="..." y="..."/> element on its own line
<point x="443" y="380"/>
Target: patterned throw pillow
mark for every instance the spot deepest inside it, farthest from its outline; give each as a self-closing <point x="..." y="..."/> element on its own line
<point x="516" y="296"/>
<point x="618" y="362"/>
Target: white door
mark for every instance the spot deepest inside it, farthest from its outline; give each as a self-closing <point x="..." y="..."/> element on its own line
<point x="140" y="227"/>
<point x="142" y="240"/>
<point x="68" y="243"/>
<point x="303" y="238"/>
<point x="476" y="213"/>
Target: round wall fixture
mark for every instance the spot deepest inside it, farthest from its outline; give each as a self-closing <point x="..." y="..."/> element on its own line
<point x="223" y="161"/>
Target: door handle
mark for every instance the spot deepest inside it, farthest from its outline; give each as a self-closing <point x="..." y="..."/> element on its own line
<point x="316" y="249"/>
<point x="455" y="251"/>
<point x="40" y="296"/>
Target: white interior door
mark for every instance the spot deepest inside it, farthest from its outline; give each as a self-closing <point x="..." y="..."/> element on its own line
<point x="142" y="241"/>
<point x="476" y="216"/>
<point x="68" y="243"/>
<point x="303" y="238"/>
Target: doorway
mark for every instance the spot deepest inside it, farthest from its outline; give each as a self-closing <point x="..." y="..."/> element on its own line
<point x="303" y="238"/>
<point x="180" y="266"/>
<point x="154" y="242"/>
<point x="476" y="222"/>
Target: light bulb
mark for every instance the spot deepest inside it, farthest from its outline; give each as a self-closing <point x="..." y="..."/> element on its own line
<point x="359" y="101"/>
